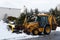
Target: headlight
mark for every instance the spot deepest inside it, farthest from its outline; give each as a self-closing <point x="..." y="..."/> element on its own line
<point x="13" y="26"/>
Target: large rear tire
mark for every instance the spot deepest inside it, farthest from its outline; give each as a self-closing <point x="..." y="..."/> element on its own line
<point x="47" y="30"/>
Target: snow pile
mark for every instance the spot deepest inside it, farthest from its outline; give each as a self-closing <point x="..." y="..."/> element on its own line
<point x="5" y="34"/>
<point x="58" y="29"/>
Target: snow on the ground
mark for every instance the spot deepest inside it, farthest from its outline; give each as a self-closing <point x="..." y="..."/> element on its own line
<point x="58" y="29"/>
<point x="5" y="34"/>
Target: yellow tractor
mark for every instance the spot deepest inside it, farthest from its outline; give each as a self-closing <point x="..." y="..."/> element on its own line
<point x="43" y="25"/>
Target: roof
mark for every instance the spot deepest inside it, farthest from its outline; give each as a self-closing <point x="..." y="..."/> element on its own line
<point x="43" y="15"/>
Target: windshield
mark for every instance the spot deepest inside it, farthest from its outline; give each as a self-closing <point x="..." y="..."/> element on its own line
<point x="42" y="20"/>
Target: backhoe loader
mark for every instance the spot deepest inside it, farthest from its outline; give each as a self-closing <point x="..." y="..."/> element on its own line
<point x="42" y="25"/>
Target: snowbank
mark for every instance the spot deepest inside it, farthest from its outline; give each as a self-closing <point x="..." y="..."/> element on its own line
<point x="5" y="34"/>
<point x="58" y="29"/>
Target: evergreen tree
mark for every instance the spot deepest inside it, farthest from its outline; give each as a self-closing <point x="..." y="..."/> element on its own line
<point x="36" y="11"/>
<point x="52" y="12"/>
<point x="31" y="11"/>
<point x="21" y="18"/>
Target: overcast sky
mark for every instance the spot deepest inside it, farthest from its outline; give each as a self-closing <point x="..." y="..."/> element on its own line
<point x="42" y="5"/>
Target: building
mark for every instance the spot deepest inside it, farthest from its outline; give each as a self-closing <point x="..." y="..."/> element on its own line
<point x="9" y="12"/>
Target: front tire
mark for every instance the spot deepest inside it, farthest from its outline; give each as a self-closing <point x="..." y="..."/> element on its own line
<point x="47" y="30"/>
<point x="35" y="32"/>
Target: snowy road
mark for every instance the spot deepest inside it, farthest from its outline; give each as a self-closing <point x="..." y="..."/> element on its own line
<point x="52" y="36"/>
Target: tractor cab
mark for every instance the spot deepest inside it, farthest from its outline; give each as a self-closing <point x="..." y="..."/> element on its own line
<point x="42" y="20"/>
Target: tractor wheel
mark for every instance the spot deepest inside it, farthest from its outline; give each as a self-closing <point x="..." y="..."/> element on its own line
<point x="35" y="32"/>
<point x="47" y="30"/>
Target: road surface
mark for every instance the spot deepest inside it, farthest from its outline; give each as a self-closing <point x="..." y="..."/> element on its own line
<point x="52" y="36"/>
